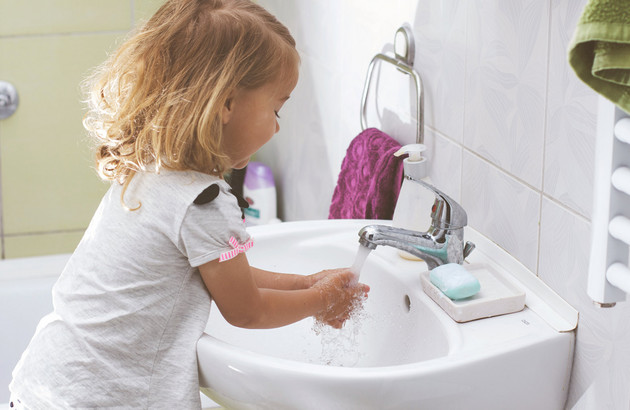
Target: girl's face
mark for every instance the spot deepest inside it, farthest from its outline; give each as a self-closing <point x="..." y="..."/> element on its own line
<point x="250" y="119"/>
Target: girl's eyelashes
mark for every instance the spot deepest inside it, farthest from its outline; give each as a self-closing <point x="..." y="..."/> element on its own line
<point x="276" y="112"/>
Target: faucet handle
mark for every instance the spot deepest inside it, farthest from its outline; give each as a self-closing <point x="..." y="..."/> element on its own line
<point x="446" y="213"/>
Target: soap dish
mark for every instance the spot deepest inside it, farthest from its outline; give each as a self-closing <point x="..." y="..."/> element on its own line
<point x="498" y="296"/>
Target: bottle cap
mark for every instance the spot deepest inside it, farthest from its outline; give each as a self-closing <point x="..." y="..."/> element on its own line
<point x="258" y="176"/>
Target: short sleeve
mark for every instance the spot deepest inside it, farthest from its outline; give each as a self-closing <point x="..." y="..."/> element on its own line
<point x="213" y="229"/>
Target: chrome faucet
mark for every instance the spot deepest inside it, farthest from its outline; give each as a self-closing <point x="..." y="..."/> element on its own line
<point x="442" y="243"/>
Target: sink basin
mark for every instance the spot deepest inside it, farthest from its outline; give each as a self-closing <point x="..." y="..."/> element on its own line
<point x="401" y="351"/>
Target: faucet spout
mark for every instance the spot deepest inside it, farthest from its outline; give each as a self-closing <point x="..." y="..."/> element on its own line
<point x="442" y="243"/>
<point x="420" y="244"/>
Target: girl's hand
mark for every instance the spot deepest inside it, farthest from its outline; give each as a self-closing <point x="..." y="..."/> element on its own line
<point x="341" y="293"/>
<point x="311" y="280"/>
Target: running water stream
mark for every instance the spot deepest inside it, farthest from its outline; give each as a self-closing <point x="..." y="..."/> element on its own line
<point x="340" y="346"/>
<point x="359" y="260"/>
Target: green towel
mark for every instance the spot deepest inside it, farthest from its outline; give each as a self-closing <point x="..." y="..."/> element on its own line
<point x="600" y="49"/>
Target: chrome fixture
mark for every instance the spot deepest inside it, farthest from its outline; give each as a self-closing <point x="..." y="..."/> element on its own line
<point x="442" y="243"/>
<point x="8" y="99"/>
<point x="404" y="53"/>
<point x="405" y="45"/>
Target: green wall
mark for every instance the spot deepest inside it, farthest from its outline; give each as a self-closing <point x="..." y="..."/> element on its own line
<point x="48" y="187"/>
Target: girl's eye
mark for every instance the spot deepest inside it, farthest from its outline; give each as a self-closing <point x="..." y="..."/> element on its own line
<point x="276" y="112"/>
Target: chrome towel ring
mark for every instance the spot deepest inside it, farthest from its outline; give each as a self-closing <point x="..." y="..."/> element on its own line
<point x="404" y="53"/>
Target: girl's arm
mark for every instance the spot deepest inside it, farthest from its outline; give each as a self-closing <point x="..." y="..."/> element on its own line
<point x="243" y="303"/>
<point x="287" y="281"/>
<point x="280" y="281"/>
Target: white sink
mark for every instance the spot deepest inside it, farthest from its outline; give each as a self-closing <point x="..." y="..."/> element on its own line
<point x="402" y="352"/>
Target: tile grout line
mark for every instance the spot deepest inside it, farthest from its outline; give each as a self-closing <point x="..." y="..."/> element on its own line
<point x="61" y="34"/>
<point x="463" y="119"/>
<point x="132" y="3"/>
<point x="544" y="147"/>
<point x="508" y="174"/>
<point x="2" y="252"/>
<point x="51" y="232"/>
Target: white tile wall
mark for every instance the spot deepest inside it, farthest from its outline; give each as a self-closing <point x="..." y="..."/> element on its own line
<point x="601" y="371"/>
<point x="501" y="207"/>
<point x="440" y="35"/>
<point x="506" y="72"/>
<point x="445" y="163"/>
<point x="571" y="119"/>
<point x="509" y="127"/>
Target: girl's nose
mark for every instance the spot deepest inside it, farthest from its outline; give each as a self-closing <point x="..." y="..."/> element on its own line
<point x="277" y="127"/>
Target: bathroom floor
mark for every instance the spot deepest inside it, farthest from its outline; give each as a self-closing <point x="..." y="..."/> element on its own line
<point x="206" y="404"/>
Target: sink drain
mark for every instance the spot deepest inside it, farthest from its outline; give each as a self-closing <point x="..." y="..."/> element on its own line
<point x="407" y="303"/>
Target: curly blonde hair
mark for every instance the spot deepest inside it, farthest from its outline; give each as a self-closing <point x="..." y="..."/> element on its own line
<point x="157" y="101"/>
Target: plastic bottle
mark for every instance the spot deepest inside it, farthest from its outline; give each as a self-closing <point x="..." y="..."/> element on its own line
<point x="413" y="208"/>
<point x="259" y="190"/>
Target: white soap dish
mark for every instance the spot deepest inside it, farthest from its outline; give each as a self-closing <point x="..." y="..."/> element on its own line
<point x="497" y="296"/>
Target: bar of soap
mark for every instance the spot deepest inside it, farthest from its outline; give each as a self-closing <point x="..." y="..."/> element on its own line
<point x="454" y="281"/>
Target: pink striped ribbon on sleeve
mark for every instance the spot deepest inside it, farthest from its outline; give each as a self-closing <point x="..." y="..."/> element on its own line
<point x="237" y="248"/>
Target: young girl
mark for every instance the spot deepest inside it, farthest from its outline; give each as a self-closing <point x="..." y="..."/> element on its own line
<point x="194" y="93"/>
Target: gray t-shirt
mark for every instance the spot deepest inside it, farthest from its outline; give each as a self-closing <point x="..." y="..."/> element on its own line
<point x="130" y="305"/>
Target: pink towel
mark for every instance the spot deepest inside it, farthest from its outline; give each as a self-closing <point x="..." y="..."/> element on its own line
<point x="370" y="178"/>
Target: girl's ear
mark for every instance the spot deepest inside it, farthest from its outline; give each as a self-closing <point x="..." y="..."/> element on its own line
<point x="226" y="113"/>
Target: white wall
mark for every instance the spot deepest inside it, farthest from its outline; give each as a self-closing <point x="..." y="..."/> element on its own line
<point x="509" y="127"/>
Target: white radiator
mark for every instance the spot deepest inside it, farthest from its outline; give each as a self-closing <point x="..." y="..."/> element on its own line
<point x="609" y="272"/>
